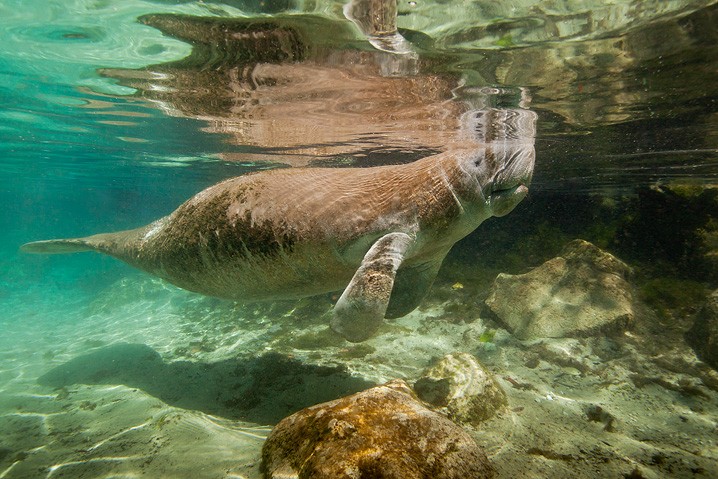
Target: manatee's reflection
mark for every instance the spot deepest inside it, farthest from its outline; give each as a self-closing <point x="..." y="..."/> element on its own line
<point x="303" y="90"/>
<point x="377" y="20"/>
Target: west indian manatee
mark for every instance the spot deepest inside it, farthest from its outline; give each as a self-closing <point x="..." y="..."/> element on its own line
<point x="381" y="233"/>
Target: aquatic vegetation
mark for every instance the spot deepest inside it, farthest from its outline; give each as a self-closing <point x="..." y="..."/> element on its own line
<point x="166" y="419"/>
<point x="668" y="228"/>
<point x="505" y="41"/>
<point x="703" y="335"/>
<point x="487" y="336"/>
<point x="673" y="298"/>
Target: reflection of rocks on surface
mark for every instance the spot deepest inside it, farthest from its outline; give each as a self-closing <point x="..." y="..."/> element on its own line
<point x="607" y="85"/>
<point x="577" y="293"/>
<point x="464" y="387"/>
<point x="383" y="432"/>
<point x="703" y="336"/>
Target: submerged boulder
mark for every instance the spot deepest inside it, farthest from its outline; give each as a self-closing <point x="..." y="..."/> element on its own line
<point x="581" y="292"/>
<point x="383" y="432"/>
<point x="465" y="389"/>
<point x="703" y="336"/>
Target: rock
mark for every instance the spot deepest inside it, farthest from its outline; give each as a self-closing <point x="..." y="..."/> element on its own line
<point x="596" y="413"/>
<point x="463" y="387"/>
<point x="703" y="335"/>
<point x="383" y="432"/>
<point x="581" y="292"/>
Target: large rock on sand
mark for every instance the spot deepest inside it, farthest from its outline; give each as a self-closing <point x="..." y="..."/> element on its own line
<point x="383" y="432"/>
<point x="703" y="336"/>
<point x="463" y="388"/>
<point x="581" y="292"/>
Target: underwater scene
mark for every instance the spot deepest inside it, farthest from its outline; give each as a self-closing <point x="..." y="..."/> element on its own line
<point x="358" y="239"/>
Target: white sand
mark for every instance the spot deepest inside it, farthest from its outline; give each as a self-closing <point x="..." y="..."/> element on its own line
<point x="150" y="381"/>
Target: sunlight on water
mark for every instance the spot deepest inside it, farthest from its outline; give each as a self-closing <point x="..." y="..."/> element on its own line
<point x="592" y="306"/>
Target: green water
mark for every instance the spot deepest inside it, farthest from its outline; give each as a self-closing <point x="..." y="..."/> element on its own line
<point x="114" y="113"/>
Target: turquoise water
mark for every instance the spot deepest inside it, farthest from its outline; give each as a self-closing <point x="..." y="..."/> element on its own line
<point x="114" y="113"/>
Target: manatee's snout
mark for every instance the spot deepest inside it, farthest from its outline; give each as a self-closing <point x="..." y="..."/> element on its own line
<point x="511" y="181"/>
<point x="504" y="201"/>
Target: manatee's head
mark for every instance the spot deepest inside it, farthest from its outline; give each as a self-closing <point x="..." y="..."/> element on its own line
<point x="508" y="182"/>
<point x="497" y="176"/>
<point x="499" y="171"/>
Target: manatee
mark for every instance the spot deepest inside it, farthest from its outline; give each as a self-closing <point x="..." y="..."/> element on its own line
<point x="380" y="233"/>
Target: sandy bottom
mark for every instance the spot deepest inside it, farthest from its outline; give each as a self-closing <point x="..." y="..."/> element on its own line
<point x="145" y="380"/>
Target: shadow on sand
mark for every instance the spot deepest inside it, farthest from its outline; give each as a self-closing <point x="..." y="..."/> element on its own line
<point x="262" y="390"/>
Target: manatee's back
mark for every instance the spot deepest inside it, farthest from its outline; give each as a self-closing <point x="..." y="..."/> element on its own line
<point x="269" y="235"/>
<point x="279" y="234"/>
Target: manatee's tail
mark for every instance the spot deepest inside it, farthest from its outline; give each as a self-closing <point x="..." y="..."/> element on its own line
<point x="120" y="244"/>
<point x="58" y="246"/>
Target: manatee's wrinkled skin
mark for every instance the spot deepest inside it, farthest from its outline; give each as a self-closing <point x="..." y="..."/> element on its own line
<point x="291" y="233"/>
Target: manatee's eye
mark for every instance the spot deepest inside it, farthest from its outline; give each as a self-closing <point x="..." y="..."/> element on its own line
<point x="480" y="156"/>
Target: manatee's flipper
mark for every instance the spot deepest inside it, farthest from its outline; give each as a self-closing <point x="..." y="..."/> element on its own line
<point x="360" y="310"/>
<point x="57" y="246"/>
<point x="410" y="287"/>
